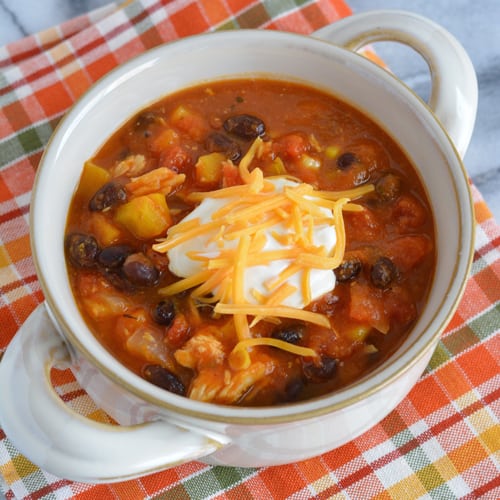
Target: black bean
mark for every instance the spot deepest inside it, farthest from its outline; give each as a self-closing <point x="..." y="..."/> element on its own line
<point x="348" y="270"/>
<point x="114" y="256"/>
<point x="163" y="313"/>
<point x="245" y="126"/>
<point x="118" y="279"/>
<point x="108" y="195"/>
<point x="345" y="160"/>
<point x="383" y="272"/>
<point x="293" y="389"/>
<point x="145" y="119"/>
<point x="221" y="143"/>
<point x="82" y="249"/>
<point x="320" y="372"/>
<point x="164" y="378"/>
<point x="292" y="333"/>
<point x="140" y="271"/>
<point x="388" y="187"/>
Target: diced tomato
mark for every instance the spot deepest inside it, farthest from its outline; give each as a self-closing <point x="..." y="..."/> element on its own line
<point x="230" y="175"/>
<point x="408" y="251"/>
<point x="90" y="283"/>
<point x="367" y="307"/>
<point x="164" y="140"/>
<point x="400" y="306"/>
<point x="189" y="121"/>
<point x="176" y="158"/>
<point x="409" y="213"/>
<point x="362" y="226"/>
<point x="291" y="146"/>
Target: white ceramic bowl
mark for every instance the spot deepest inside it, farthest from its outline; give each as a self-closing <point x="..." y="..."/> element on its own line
<point x="164" y="429"/>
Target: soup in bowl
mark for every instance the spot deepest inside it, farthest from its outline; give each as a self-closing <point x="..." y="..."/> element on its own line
<point x="250" y="242"/>
<point x="245" y="259"/>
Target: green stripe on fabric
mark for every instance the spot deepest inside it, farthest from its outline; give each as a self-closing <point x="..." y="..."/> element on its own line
<point x="487" y="324"/>
<point x="417" y="459"/>
<point x="402" y="438"/>
<point x="11" y="449"/>
<point x="276" y="9"/>
<point x="213" y="480"/>
<point x="230" y="476"/>
<point x="232" y="24"/>
<point x="132" y="9"/>
<point x="459" y="341"/>
<point x="10" y="96"/>
<point x="10" y="150"/>
<point x="26" y="142"/>
<point x="474" y="332"/>
<point x="37" y="481"/>
<point x="441" y="355"/>
<point x="268" y="10"/>
<point x="29" y="140"/>
<point x="23" y="466"/>
<point x="420" y="462"/>
<point x="478" y="265"/>
<point x="442" y="492"/>
<point x="176" y="493"/>
<point x="433" y="482"/>
<point x="263" y="12"/>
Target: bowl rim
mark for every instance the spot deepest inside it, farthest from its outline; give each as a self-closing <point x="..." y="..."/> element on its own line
<point x="277" y="413"/>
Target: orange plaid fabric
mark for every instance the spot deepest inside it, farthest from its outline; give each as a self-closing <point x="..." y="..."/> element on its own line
<point x="442" y="441"/>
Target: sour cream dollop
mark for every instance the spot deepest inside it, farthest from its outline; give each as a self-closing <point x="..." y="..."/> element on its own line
<point x="256" y="277"/>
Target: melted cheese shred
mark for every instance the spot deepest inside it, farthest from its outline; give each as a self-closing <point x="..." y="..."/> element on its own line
<point x="251" y="208"/>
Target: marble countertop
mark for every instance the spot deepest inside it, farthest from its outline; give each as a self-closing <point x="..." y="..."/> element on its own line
<point x="474" y="26"/>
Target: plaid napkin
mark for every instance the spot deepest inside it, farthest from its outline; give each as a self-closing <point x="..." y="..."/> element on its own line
<point x="442" y="441"/>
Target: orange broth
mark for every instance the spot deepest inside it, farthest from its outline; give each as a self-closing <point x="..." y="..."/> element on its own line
<point x="123" y="206"/>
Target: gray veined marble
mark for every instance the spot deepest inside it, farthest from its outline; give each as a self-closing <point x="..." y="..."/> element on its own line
<point x="474" y="24"/>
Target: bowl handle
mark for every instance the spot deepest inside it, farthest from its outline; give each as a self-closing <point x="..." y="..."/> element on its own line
<point x="65" y="443"/>
<point x="454" y="92"/>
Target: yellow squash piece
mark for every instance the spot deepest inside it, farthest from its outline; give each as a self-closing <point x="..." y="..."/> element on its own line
<point x="106" y="232"/>
<point x="146" y="216"/>
<point x="93" y="177"/>
<point x="209" y="168"/>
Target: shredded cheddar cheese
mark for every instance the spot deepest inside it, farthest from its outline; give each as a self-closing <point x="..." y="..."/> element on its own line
<point x="280" y="311"/>
<point x="276" y="298"/>
<point x="245" y="212"/>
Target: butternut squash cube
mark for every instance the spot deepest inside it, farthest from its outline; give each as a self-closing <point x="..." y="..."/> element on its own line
<point x="208" y="168"/>
<point x="93" y="177"/>
<point x="146" y="216"/>
<point x="106" y="232"/>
